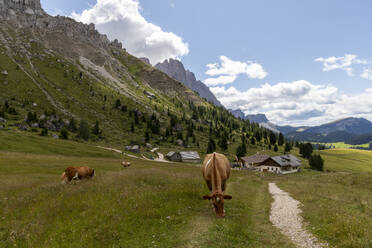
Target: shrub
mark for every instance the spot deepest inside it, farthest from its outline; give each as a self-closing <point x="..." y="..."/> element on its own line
<point x="96" y="130"/>
<point x="211" y="145"/>
<point x="241" y="151"/>
<point x="117" y="104"/>
<point x="287" y="147"/>
<point x="31" y="117"/>
<point x="83" y="132"/>
<point x="316" y="162"/>
<point x="72" y="125"/>
<point x="306" y="150"/>
<point x="276" y="148"/>
<point x="63" y="134"/>
<point x="281" y="139"/>
<point x="44" y="132"/>
<point x="124" y="108"/>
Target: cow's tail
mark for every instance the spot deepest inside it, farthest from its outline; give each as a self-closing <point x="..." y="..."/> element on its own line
<point x="214" y="159"/>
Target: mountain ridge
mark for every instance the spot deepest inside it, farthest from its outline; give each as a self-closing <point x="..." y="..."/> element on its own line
<point x="176" y="70"/>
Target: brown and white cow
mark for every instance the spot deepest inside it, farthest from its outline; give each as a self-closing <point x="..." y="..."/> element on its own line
<point x="74" y="173"/>
<point x="216" y="171"/>
<point x="125" y="164"/>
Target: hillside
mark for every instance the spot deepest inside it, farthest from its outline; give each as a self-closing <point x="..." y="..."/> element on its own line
<point x="350" y="130"/>
<point x="57" y="74"/>
<point x="161" y="203"/>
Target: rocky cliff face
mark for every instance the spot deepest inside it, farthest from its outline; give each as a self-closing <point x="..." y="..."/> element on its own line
<point x="238" y="113"/>
<point x="176" y="70"/>
<point x="30" y="7"/>
<point x="29" y="14"/>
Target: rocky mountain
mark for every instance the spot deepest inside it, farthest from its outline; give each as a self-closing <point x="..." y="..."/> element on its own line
<point x="57" y="75"/>
<point x="238" y="113"/>
<point x="176" y="70"/>
<point x="260" y="119"/>
<point x="257" y="118"/>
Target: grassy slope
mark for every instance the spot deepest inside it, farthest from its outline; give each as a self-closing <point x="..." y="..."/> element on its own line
<point x="337" y="205"/>
<point x="160" y="204"/>
<point x="147" y="205"/>
<point x="348" y="160"/>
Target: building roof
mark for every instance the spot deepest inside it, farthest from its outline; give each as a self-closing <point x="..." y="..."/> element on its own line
<point x="287" y="160"/>
<point x="257" y="158"/>
<point x="190" y="156"/>
<point x="170" y="154"/>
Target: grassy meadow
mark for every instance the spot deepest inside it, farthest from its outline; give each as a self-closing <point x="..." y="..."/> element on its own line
<point x="160" y="204"/>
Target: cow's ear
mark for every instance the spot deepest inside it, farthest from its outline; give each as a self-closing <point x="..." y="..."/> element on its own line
<point x="207" y="197"/>
<point x="227" y="197"/>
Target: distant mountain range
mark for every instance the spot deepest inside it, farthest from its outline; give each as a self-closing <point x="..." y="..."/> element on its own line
<point x="176" y="70"/>
<point x="349" y="130"/>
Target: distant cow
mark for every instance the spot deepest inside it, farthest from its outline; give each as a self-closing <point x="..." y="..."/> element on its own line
<point x="74" y="173"/>
<point x="125" y="164"/>
<point x="216" y="171"/>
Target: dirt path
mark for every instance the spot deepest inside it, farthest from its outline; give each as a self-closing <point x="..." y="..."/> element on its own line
<point x="286" y="215"/>
<point x="161" y="158"/>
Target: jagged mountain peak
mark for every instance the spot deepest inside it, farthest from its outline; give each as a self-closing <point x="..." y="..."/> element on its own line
<point x="176" y="70"/>
<point x="31" y="7"/>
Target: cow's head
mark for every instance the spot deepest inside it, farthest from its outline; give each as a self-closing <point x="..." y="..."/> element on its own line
<point x="92" y="173"/>
<point x="218" y="201"/>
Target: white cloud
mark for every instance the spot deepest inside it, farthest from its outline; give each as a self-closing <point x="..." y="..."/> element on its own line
<point x="228" y="70"/>
<point x="221" y="80"/>
<point x="345" y="63"/>
<point x="367" y="74"/>
<point x="122" y="20"/>
<point x="297" y="103"/>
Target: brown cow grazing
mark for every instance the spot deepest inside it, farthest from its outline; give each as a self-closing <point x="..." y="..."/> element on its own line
<point x="125" y="164"/>
<point x="216" y="171"/>
<point x="75" y="173"/>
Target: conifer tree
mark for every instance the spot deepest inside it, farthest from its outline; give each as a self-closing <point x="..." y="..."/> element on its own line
<point x="83" y="131"/>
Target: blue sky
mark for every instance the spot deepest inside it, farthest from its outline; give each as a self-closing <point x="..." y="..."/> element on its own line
<point x="278" y="41"/>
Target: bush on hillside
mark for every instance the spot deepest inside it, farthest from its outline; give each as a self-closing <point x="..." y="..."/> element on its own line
<point x="287" y="147"/>
<point x="306" y="150"/>
<point x="72" y="125"/>
<point x="63" y="134"/>
<point x="281" y="139"/>
<point x="211" y="146"/>
<point x="83" y="131"/>
<point x="276" y="148"/>
<point x="44" y="132"/>
<point x="241" y="151"/>
<point x="316" y="162"/>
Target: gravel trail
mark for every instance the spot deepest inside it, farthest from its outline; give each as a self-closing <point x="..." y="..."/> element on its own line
<point x="285" y="215"/>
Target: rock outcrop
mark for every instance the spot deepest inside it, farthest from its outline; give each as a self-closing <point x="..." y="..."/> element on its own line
<point x="29" y="14"/>
<point x="31" y="7"/>
<point x="176" y="70"/>
<point x="258" y="118"/>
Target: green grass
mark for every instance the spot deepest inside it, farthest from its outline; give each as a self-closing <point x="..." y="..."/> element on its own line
<point x="337" y="206"/>
<point x="159" y="205"/>
<point x="342" y="145"/>
<point x="347" y="160"/>
<point x="30" y="143"/>
<point x="146" y="205"/>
